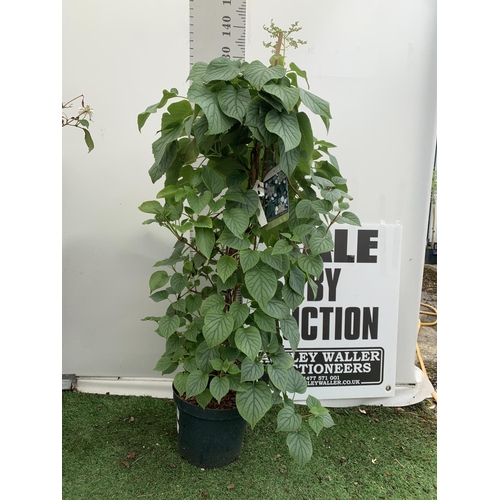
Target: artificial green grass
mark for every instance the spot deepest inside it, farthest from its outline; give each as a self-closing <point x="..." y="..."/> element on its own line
<point x="120" y="447"/>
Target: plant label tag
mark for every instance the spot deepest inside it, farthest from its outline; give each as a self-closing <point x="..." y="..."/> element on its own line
<point x="276" y="204"/>
<point x="258" y="187"/>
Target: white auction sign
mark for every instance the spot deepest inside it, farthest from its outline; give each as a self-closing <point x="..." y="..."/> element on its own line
<point x="349" y="330"/>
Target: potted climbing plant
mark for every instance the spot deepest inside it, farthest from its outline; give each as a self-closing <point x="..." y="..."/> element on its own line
<point x="250" y="196"/>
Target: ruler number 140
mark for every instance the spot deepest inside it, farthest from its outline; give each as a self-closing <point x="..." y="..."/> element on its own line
<point x="226" y="25"/>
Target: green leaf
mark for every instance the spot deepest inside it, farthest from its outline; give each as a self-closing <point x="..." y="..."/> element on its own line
<point x="254" y="403"/>
<point x="197" y="382"/>
<point x="264" y="322"/>
<point x="159" y="296"/>
<point x="290" y="331"/>
<point x="198" y="71"/>
<point x="213" y="180"/>
<point x="167" y="192"/>
<point x="307" y="137"/>
<point x="218" y="122"/>
<point x="222" y="68"/>
<point x="180" y="382"/>
<point x="321" y="182"/>
<point x="312" y="402"/>
<point x="177" y="113"/>
<point x="235" y="195"/>
<point x="233" y="369"/>
<point x="258" y="75"/>
<point x="217" y="364"/>
<point x="248" y="259"/>
<point x="288" y="159"/>
<point x="320" y="243"/>
<point x="319" y="410"/>
<point x="198" y="201"/>
<point x="283" y="359"/>
<point x="234" y="101"/>
<point x="251" y="370"/>
<point x="142" y="117"/>
<point x="313" y="286"/>
<point x="204" y="398"/>
<point x="288" y="420"/>
<point x="349" y="218"/>
<point x="310" y="264"/>
<point x="316" y="423"/>
<point x="292" y="299"/>
<point x="165" y="364"/>
<point x="157" y="280"/>
<point x="321" y="206"/>
<point x="276" y="308"/>
<point x="303" y="230"/>
<point x="304" y="209"/>
<point x="178" y="282"/>
<point x="282" y="247"/>
<point x="315" y="104"/>
<point x="248" y="340"/>
<point x="252" y="202"/>
<point x="205" y="240"/>
<point x="239" y="312"/>
<point x="174" y="346"/>
<point x="219" y="387"/>
<point x="289" y="96"/>
<point x="212" y="302"/>
<point x="296" y="382"/>
<point x="235" y="383"/>
<point x="332" y="195"/>
<point x="278" y="376"/>
<point x="299" y="72"/>
<point x="203" y="221"/>
<point x="227" y="238"/>
<point x="190" y="364"/>
<point x="169" y="162"/>
<point x="286" y="126"/>
<point x="151" y="318"/>
<point x="88" y="140"/>
<point x="236" y="220"/>
<point x="217" y="328"/>
<point x="277" y="262"/>
<point x="168" y="325"/>
<point x="204" y="356"/>
<point x="327" y="420"/>
<point x="193" y="303"/>
<point x="261" y="282"/>
<point x="152" y="207"/>
<point x="159" y="146"/>
<point x="226" y="266"/>
<point x="297" y="280"/>
<point x="300" y="446"/>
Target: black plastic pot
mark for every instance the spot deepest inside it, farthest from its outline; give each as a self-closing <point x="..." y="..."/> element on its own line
<point x="208" y="438"/>
<point x="431" y="255"/>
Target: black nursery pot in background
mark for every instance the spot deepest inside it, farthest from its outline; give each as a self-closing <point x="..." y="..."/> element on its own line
<point x="208" y="438"/>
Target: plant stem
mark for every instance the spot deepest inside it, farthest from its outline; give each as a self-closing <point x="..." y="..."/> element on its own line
<point x="278" y="47"/>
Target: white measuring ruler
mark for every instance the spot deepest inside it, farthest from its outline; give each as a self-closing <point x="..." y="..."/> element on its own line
<point x="217" y="28"/>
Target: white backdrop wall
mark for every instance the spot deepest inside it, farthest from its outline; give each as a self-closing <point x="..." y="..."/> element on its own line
<point x="373" y="60"/>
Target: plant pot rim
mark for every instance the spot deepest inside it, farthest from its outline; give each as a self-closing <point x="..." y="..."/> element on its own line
<point x="196" y="410"/>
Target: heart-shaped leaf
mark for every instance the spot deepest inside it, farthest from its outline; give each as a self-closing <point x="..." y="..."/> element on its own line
<point x="255" y="402"/>
<point x="217" y="328"/>
<point x="258" y="74"/>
